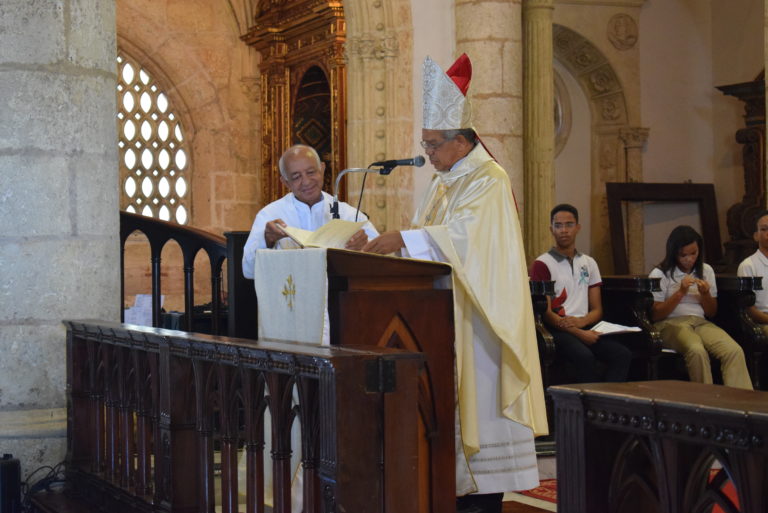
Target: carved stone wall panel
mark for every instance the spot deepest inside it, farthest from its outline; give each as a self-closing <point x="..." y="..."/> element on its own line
<point x="607" y="99"/>
<point x="607" y="158"/>
<point x="603" y="80"/>
<point x="380" y="106"/>
<point x="622" y="31"/>
<point x="634" y="139"/>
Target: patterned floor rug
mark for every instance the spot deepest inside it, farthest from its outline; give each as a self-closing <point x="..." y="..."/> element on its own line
<point x="547" y="491"/>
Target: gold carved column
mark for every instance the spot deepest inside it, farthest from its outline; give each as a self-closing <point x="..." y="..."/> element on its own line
<point x="293" y="36"/>
<point x="538" y="124"/>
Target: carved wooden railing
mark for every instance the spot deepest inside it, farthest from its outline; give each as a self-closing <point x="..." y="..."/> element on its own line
<point x="650" y="447"/>
<point x="191" y="240"/>
<point x="147" y="406"/>
<point x="241" y="307"/>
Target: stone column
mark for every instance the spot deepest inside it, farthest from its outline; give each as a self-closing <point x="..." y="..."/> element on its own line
<point x="59" y="221"/>
<point x="539" y="124"/>
<point x="634" y="139"/>
<point x="490" y="32"/>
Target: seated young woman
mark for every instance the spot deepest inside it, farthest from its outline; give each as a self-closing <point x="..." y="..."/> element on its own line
<point x="687" y="297"/>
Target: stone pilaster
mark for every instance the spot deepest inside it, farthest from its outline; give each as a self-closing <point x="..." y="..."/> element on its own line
<point x="490" y="33"/>
<point x="634" y="139"/>
<point x="539" y="129"/>
<point x="380" y="106"/>
<point x="59" y="223"/>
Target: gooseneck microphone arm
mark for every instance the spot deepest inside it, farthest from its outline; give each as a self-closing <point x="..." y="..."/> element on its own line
<point x="335" y="205"/>
<point x="384" y="168"/>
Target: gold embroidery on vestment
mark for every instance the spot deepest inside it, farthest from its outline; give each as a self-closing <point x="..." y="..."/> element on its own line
<point x="289" y="291"/>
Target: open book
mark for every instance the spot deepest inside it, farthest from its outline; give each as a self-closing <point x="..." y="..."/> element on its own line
<point x="611" y="328"/>
<point x="333" y="234"/>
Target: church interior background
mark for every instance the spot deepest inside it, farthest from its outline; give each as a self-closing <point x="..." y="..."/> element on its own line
<point x="208" y="94"/>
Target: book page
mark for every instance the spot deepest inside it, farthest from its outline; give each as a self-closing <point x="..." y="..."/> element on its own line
<point x="609" y="327"/>
<point x="333" y="234"/>
<point x="297" y="235"/>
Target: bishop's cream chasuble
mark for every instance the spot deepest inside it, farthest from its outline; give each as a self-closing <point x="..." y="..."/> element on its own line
<point x="470" y="215"/>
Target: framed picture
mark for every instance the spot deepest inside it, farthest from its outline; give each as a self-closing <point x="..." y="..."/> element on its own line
<point x="701" y="193"/>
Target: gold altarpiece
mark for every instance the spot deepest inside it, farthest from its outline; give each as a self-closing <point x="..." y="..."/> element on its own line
<point x="303" y="84"/>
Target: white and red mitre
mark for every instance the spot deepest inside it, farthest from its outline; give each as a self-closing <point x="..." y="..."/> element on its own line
<point x="446" y="106"/>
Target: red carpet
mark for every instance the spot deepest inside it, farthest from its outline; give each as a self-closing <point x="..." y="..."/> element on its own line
<point x="547" y="491"/>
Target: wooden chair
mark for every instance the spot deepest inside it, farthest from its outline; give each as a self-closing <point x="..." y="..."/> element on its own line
<point x="627" y="300"/>
<point x="735" y="295"/>
<point x="550" y="374"/>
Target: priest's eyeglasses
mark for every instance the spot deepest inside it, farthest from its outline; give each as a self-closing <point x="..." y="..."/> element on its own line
<point x="559" y="226"/>
<point x="430" y="146"/>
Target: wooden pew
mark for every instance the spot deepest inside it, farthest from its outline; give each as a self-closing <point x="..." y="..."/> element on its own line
<point x="550" y="373"/>
<point x="650" y="447"/>
<point x="735" y="295"/>
<point x="627" y="300"/>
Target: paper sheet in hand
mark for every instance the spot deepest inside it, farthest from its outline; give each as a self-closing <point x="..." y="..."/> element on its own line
<point x="333" y="234"/>
<point x="606" y="328"/>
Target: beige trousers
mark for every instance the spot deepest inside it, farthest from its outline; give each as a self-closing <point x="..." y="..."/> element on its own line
<point x="696" y="339"/>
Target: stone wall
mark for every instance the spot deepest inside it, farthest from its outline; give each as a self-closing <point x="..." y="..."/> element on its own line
<point x="194" y="45"/>
<point x="193" y="48"/>
<point x="58" y="206"/>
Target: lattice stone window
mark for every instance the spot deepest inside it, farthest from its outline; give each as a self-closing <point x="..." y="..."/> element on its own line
<point x="154" y="164"/>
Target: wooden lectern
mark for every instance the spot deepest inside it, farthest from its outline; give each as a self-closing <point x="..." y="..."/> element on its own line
<point x="383" y="301"/>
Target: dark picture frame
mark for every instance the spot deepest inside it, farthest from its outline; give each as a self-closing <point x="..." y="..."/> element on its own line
<point x="702" y="194"/>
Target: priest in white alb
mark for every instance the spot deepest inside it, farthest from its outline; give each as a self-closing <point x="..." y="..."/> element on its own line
<point x="306" y="206"/>
<point x="468" y="218"/>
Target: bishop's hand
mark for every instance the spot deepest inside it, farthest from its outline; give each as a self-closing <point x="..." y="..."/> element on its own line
<point x="357" y="241"/>
<point x="386" y="243"/>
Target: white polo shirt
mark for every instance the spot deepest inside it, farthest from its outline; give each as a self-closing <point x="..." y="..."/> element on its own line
<point x="691" y="302"/>
<point x="757" y="265"/>
<point x="573" y="279"/>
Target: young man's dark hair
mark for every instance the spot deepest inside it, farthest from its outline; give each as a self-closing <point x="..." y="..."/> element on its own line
<point x="759" y="216"/>
<point x="564" y="207"/>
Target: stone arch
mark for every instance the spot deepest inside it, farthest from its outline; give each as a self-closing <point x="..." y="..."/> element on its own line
<point x="615" y="155"/>
<point x="380" y="104"/>
<point x="217" y="108"/>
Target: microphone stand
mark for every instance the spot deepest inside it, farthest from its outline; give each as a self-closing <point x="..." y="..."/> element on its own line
<point x="335" y="206"/>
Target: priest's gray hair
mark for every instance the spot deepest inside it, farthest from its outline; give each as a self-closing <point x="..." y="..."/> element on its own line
<point x="297" y="149"/>
<point x="468" y="133"/>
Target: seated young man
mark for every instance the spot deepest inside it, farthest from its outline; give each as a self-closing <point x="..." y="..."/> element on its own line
<point x="577" y="304"/>
<point x="757" y="265"/>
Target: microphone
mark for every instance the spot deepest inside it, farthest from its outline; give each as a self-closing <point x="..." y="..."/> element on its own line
<point x="417" y="161"/>
<point x="386" y="167"/>
<point x="335" y="204"/>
